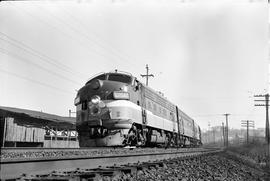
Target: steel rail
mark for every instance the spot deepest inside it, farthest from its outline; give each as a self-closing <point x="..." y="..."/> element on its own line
<point x="17" y="155"/>
<point x="84" y="148"/>
<point x="41" y="148"/>
<point x="14" y="169"/>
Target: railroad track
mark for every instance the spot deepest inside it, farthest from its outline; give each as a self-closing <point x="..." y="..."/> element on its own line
<point x="90" y="165"/>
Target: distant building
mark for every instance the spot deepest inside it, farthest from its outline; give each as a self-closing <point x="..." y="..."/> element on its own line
<point x="236" y="136"/>
<point x="213" y="136"/>
<point x="27" y="128"/>
<point x="259" y="132"/>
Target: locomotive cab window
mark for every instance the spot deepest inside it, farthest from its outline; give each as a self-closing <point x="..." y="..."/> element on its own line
<point x="120" y="78"/>
<point x="100" y="77"/>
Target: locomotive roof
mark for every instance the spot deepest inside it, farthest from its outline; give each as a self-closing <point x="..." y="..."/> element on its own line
<point x="112" y="72"/>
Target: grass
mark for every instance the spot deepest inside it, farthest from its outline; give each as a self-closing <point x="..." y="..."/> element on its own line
<point x="257" y="151"/>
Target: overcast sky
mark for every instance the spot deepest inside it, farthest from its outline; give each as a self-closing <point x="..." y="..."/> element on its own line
<point x="208" y="58"/>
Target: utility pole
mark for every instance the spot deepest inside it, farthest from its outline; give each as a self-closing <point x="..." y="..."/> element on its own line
<point x="227" y="130"/>
<point x="248" y="124"/>
<point x="208" y="133"/>
<point x="70" y="112"/>
<point x="147" y="74"/>
<point x="266" y="105"/>
<point x="223" y="134"/>
<point x="267" y="134"/>
<point x="214" y="139"/>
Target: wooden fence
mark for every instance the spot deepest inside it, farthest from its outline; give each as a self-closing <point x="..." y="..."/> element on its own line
<point x="18" y="133"/>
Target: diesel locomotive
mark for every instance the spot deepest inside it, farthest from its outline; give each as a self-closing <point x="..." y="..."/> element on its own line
<point x="115" y="109"/>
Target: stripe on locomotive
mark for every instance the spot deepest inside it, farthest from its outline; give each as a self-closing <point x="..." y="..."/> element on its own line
<point x="129" y="110"/>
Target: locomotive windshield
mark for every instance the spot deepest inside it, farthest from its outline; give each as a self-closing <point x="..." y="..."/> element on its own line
<point x="113" y="77"/>
<point x="120" y="78"/>
<point x="100" y="77"/>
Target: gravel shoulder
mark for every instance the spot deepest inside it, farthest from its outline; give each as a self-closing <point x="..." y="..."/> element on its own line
<point x="221" y="166"/>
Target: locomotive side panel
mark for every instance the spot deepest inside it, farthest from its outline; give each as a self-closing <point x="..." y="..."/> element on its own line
<point x="161" y="113"/>
<point x="180" y="122"/>
<point x="196" y="131"/>
<point x="200" y="135"/>
<point x="188" y="127"/>
<point x="155" y="121"/>
<point x="187" y="124"/>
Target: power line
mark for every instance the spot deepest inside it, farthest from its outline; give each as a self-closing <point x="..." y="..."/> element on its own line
<point x="37" y="65"/>
<point x="40" y="20"/>
<point x="113" y="49"/>
<point x="35" y="81"/>
<point x="34" y="52"/>
<point x="86" y="36"/>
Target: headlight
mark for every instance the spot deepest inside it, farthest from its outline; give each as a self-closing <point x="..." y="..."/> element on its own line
<point x="77" y="101"/>
<point x="95" y="99"/>
<point x="95" y="110"/>
<point x="120" y="95"/>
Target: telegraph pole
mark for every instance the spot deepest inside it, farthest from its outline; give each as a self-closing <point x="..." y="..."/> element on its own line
<point x="267" y="135"/>
<point x="70" y="112"/>
<point x="214" y="136"/>
<point x="223" y="134"/>
<point x="248" y="124"/>
<point x="227" y="130"/>
<point x="208" y="133"/>
<point x="147" y="74"/>
<point x="266" y="105"/>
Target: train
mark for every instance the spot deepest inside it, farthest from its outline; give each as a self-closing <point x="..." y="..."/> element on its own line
<point x="116" y="109"/>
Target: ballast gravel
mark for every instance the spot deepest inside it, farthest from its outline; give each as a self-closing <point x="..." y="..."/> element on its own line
<point x="69" y="153"/>
<point x="216" y="167"/>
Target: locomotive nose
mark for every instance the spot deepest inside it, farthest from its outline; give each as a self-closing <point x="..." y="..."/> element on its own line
<point x="96" y="84"/>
